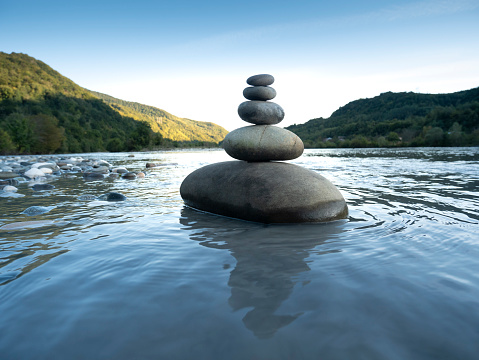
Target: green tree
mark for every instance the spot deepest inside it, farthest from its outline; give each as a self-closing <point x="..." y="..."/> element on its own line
<point x="48" y="136"/>
<point x="6" y="144"/>
<point x="434" y="136"/>
<point x="115" y="145"/>
<point x="455" y="135"/>
<point x="393" y="137"/>
<point x="21" y="131"/>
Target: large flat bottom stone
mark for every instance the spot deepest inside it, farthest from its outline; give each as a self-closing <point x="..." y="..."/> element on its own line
<point x="267" y="192"/>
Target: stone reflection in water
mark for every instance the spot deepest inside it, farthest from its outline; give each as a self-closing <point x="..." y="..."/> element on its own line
<point x="269" y="261"/>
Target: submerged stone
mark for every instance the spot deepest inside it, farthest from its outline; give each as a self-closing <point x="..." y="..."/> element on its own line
<point x="129" y="176"/>
<point x="263" y="143"/>
<point x="37" y="210"/>
<point x="267" y="192"/>
<point x="8" y="175"/>
<point x="113" y="196"/>
<point x="93" y="176"/>
<point x="41" y="187"/>
<point x="34" y="173"/>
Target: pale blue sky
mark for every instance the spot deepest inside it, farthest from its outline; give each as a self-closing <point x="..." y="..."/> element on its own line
<point x="192" y="58"/>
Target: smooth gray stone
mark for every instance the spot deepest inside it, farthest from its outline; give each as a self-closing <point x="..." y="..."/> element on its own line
<point x="7" y="175"/>
<point x="37" y="210"/>
<point x="12" y="182"/>
<point x="263" y="143"/>
<point x="87" y="197"/>
<point x="41" y="187"/>
<point x="53" y="167"/>
<point x="267" y="192"/>
<point x="261" y="112"/>
<point x="260" y="80"/>
<point x="113" y="196"/>
<point x="262" y="93"/>
<point x="93" y="176"/>
<point x="129" y="176"/>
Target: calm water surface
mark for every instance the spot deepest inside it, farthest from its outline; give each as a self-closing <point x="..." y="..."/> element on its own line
<point x="150" y="279"/>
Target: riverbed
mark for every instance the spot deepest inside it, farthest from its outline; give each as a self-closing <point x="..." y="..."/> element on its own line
<point x="148" y="278"/>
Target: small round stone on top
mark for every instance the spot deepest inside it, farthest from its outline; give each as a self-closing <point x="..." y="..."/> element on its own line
<point x="260" y="80"/>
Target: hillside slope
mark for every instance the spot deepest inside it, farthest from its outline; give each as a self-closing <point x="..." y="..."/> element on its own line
<point x="42" y="111"/>
<point x="398" y="119"/>
<point x="168" y="125"/>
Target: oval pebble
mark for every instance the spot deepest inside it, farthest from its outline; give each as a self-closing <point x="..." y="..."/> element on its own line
<point x="262" y="93"/>
<point x="41" y="187"/>
<point x="129" y="176"/>
<point x="8" y="175"/>
<point x="20" y="225"/>
<point x="34" y="173"/>
<point x="37" y="210"/>
<point x="93" y="176"/>
<point x="260" y="80"/>
<point x="113" y="196"/>
<point x="261" y="112"/>
<point x="263" y="143"/>
<point x="87" y="197"/>
<point x="9" y="188"/>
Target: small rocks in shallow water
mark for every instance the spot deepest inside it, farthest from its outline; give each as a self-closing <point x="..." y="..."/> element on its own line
<point x="262" y="93"/>
<point x="42" y="187"/>
<point x="37" y="210"/>
<point x="8" y="175"/>
<point x="34" y="173"/>
<point x="87" y="197"/>
<point x="140" y="174"/>
<point x="8" y="188"/>
<point x="46" y="170"/>
<point x="150" y="165"/>
<point x="93" y="176"/>
<point x="103" y="163"/>
<point x="113" y="196"/>
<point x="129" y="176"/>
<point x="20" y="225"/>
<point x="100" y="169"/>
<point x="261" y="112"/>
<point x="120" y="170"/>
<point x="260" y="80"/>
<point x="13" y="182"/>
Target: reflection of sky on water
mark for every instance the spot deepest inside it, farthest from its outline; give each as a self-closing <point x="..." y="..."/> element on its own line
<point x="269" y="259"/>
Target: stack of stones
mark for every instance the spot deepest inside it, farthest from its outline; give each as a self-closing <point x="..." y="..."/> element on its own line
<point x="260" y="186"/>
<point x="262" y="141"/>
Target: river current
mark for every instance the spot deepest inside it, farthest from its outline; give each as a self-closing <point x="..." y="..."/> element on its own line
<point x="148" y="278"/>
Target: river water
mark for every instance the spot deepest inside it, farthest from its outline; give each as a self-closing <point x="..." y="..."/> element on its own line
<point x="148" y="278"/>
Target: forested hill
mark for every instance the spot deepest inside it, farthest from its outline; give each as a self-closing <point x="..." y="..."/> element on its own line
<point x="42" y="111"/>
<point x="168" y="125"/>
<point x="398" y="119"/>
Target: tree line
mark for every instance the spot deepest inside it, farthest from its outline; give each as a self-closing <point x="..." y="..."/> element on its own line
<point x="398" y="119"/>
<point x="42" y="111"/>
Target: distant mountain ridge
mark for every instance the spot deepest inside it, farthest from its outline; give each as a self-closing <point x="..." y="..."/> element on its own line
<point x="168" y="125"/>
<point x="398" y="119"/>
<point x="41" y="111"/>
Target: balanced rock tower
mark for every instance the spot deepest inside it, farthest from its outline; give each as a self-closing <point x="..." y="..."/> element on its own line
<point x="259" y="186"/>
